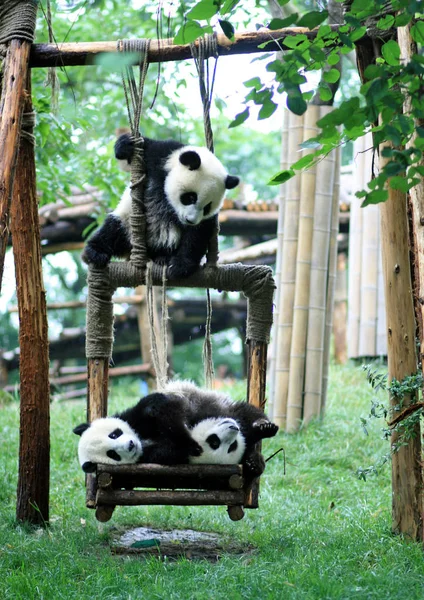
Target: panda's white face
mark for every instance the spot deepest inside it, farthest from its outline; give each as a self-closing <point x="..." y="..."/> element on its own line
<point x="108" y="441"/>
<point x="195" y="184"/>
<point x="221" y="440"/>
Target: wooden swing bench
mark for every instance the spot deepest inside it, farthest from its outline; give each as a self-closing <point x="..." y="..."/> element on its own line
<point x="179" y="484"/>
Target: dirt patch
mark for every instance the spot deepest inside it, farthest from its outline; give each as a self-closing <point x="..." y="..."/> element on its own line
<point x="176" y="543"/>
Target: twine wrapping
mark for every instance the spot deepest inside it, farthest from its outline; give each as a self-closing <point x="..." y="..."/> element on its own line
<point x="27" y="128"/>
<point x="17" y="20"/>
<point x="256" y="282"/>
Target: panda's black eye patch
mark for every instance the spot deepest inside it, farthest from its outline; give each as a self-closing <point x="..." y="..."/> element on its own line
<point x="207" y="209"/>
<point x="213" y="441"/>
<point x="233" y="447"/>
<point x="188" y="198"/>
<point x="116" y="433"/>
<point x="113" y="455"/>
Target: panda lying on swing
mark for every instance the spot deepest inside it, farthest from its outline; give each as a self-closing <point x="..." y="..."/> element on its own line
<point x="184" y="424"/>
<point x="184" y="190"/>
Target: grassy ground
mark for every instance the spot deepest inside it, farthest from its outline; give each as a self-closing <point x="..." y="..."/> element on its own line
<point x="319" y="533"/>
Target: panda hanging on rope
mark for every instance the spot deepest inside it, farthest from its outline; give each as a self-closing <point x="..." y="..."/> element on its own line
<point x="184" y="191"/>
<point x="184" y="424"/>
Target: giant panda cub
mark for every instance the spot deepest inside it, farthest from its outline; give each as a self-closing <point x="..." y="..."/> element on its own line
<point x="184" y="424"/>
<point x="184" y="190"/>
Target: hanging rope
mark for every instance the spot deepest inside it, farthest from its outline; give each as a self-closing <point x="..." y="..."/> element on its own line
<point x="52" y="79"/>
<point x="206" y="48"/>
<point x="159" y="356"/>
<point x="134" y="101"/>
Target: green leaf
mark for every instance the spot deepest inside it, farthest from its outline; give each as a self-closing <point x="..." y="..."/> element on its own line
<point x="203" y="10"/>
<point x="291" y="41"/>
<point x="228" y="6"/>
<point x="375" y="197"/>
<point x="325" y="92"/>
<point x="386" y="22"/>
<point x="281" y="23"/>
<point x="323" y="31"/>
<point x="391" y="53"/>
<point x="255" y="82"/>
<point x="333" y="59"/>
<point x="317" y="54"/>
<point x="240" y="118"/>
<point x="357" y="34"/>
<point x="268" y="108"/>
<point x="402" y="19"/>
<point x="311" y="143"/>
<point x="305" y="161"/>
<point x="331" y="76"/>
<point x="227" y="28"/>
<point x="281" y="177"/>
<point x="313" y="18"/>
<point x="189" y="32"/>
<point x="296" y="104"/>
<point x="399" y="183"/>
<point x="417" y="32"/>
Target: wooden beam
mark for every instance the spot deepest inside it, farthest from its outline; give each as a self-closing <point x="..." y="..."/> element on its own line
<point x="12" y="102"/>
<point x="80" y="54"/>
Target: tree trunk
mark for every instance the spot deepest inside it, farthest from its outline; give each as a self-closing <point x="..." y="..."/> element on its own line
<point x="34" y="449"/>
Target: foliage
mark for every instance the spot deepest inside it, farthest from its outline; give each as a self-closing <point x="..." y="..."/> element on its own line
<point x="379" y="105"/>
<point x="319" y="531"/>
<point x="410" y="387"/>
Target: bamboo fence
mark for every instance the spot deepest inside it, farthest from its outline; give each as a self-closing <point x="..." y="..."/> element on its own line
<point x="366" y="312"/>
<point x="307" y="249"/>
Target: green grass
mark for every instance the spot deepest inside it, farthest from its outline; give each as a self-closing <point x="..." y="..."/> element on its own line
<point x="319" y="532"/>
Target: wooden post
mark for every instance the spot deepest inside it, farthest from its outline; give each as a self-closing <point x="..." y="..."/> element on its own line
<point x="256" y="386"/>
<point x="34" y="448"/>
<point x="11" y="107"/>
<point x="402" y="361"/>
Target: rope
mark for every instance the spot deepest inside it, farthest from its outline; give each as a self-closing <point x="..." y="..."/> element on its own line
<point x="256" y="282"/>
<point x="206" y="48"/>
<point x="17" y="20"/>
<point x="134" y="101"/>
<point x="28" y="124"/>
<point x="159" y="357"/>
<point x="52" y="79"/>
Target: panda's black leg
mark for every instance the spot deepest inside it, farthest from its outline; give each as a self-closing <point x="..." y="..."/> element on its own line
<point x="111" y="239"/>
<point x="254" y="464"/>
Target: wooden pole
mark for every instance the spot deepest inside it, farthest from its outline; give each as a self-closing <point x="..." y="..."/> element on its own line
<point x="402" y="361"/>
<point x="74" y="54"/>
<point x="301" y="293"/>
<point x="34" y="447"/>
<point x="12" y="102"/>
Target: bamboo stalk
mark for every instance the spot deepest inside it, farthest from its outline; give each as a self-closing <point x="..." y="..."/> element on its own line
<point x="164" y="50"/>
<point x="355" y="250"/>
<point x="340" y="311"/>
<point x="288" y="276"/>
<point x="318" y="286"/>
<point x="369" y="271"/>
<point x="381" y="341"/>
<point x="332" y="277"/>
<point x="13" y="98"/>
<point x="272" y="363"/>
<point x="301" y="294"/>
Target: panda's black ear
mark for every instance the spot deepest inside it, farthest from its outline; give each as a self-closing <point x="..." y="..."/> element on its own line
<point x="190" y="159"/>
<point x="231" y="182"/>
<point x="79" y="429"/>
<point x="89" y="467"/>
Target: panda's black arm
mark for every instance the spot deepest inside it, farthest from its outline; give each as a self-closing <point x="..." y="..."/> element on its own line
<point x="193" y="247"/>
<point x="111" y="239"/>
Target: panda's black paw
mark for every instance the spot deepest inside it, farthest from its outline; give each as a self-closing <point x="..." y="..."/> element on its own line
<point x="194" y="449"/>
<point x="179" y="269"/>
<point x="124" y="147"/>
<point x="264" y="429"/>
<point x="254" y="464"/>
<point x="91" y="256"/>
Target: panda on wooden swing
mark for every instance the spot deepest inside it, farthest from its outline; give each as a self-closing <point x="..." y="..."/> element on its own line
<point x="184" y="191"/>
<point x="183" y="424"/>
